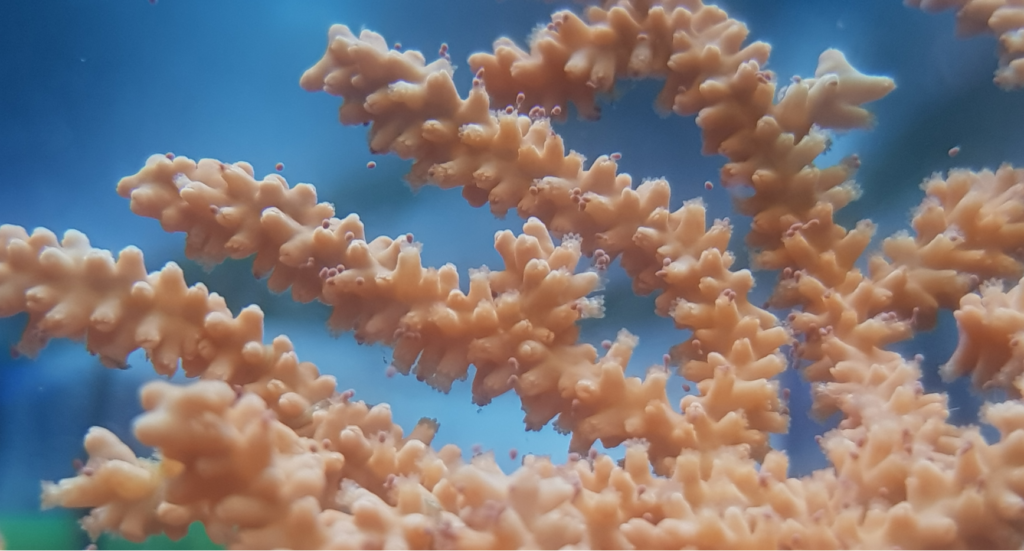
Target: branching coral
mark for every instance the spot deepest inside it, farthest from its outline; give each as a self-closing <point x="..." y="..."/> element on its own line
<point x="265" y="452"/>
<point x="1002" y="18"/>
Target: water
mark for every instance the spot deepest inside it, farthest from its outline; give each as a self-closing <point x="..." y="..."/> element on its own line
<point x="90" y="89"/>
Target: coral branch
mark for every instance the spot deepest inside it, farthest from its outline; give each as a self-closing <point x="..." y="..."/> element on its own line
<point x="1001" y="18"/>
<point x="265" y="453"/>
<point x="991" y="324"/>
<point x="255" y="483"/>
<point x="71" y="290"/>
<point x="516" y="326"/>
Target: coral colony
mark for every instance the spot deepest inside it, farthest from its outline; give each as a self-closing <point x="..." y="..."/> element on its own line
<point x="265" y="451"/>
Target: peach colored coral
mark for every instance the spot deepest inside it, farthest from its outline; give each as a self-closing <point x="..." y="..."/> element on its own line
<point x="266" y="453"/>
<point x="1002" y="18"/>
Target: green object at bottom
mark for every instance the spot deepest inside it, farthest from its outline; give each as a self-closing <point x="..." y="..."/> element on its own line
<point x="61" y="531"/>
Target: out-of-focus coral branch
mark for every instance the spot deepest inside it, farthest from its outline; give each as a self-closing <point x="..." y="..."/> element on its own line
<point x="254" y="483"/>
<point x="1002" y="18"/>
<point x="990" y="349"/>
<point x="227" y="462"/>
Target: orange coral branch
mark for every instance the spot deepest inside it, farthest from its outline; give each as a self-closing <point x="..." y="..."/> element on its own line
<point x="1002" y="18"/>
<point x="265" y="452"/>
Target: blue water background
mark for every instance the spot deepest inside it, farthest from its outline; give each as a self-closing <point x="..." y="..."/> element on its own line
<point x="89" y="89"/>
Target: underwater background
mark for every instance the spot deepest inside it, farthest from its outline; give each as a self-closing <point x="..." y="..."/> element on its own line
<point x="90" y="88"/>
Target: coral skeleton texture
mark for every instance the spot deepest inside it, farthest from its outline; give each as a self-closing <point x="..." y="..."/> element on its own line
<point x="265" y="451"/>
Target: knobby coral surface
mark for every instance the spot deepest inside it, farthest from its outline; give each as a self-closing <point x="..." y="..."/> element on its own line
<point x="265" y="452"/>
